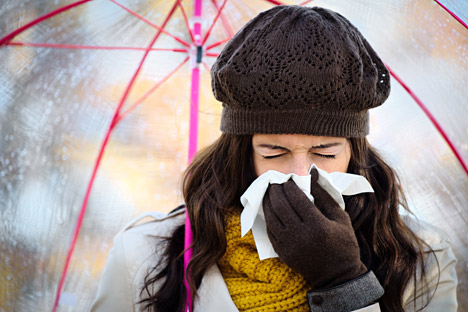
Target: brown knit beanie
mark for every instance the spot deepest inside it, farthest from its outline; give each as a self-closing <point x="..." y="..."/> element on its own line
<point x="301" y="70"/>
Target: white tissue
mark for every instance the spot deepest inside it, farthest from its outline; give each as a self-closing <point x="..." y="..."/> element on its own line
<point x="336" y="184"/>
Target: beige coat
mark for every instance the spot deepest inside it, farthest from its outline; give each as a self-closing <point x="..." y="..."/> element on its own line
<point x="133" y="254"/>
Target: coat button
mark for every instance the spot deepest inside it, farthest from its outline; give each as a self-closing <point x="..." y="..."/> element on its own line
<point x="317" y="300"/>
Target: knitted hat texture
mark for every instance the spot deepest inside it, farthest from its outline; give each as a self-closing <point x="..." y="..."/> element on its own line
<point x="303" y="70"/>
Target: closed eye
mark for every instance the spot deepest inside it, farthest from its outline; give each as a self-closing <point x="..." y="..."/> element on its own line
<point x="326" y="156"/>
<point x="273" y="156"/>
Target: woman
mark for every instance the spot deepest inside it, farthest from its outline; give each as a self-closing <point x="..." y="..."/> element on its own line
<point x="296" y="84"/>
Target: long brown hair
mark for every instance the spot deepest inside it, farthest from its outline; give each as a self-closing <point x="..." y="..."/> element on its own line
<point x="221" y="173"/>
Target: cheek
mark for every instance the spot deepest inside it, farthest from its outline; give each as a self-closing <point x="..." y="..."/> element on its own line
<point x="260" y="166"/>
<point x="257" y="165"/>
<point x="335" y="165"/>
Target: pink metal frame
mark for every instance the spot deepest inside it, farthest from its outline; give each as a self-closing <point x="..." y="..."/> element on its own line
<point x="197" y="40"/>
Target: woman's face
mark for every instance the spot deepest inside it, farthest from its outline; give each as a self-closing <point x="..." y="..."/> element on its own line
<point x="295" y="153"/>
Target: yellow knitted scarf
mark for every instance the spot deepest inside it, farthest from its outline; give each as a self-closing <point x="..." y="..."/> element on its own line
<point x="254" y="285"/>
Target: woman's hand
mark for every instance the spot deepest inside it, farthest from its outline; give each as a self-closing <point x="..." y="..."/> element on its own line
<point x="318" y="241"/>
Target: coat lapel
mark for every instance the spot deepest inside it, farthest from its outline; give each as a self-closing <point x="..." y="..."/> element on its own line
<point x="213" y="293"/>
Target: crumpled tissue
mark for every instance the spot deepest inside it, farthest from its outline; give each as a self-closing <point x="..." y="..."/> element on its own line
<point x="336" y="184"/>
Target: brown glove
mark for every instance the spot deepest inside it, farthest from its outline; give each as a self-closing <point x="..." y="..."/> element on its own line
<point x="318" y="241"/>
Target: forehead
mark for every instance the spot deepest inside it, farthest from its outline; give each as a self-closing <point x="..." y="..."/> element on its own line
<point x="294" y="139"/>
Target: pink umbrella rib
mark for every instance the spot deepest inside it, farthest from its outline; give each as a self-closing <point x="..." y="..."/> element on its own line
<point x="214" y="45"/>
<point x="98" y="161"/>
<point x="207" y="35"/>
<point x="453" y="14"/>
<point x="87" y="47"/>
<point x="38" y="20"/>
<point x="178" y="39"/>
<point x="433" y="120"/>
<point x="207" y="68"/>
<point x="305" y="2"/>
<point x="225" y="21"/>
<point x="186" y="20"/>
<point x="149" y="92"/>
<point x="275" y="2"/>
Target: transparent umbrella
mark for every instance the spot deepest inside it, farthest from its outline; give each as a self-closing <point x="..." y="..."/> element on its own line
<point x="64" y="77"/>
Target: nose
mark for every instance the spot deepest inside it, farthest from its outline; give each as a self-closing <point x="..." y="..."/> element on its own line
<point x="300" y="165"/>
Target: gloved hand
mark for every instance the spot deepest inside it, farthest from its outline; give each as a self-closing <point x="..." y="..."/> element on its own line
<point x="318" y="241"/>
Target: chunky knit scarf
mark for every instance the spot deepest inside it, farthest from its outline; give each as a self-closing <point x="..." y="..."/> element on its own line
<point x="254" y="285"/>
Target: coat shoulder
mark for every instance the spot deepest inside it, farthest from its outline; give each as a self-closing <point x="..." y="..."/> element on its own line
<point x="433" y="236"/>
<point x="152" y="224"/>
<point x="145" y="236"/>
<point x="137" y="249"/>
<point x="438" y="289"/>
<point x="143" y="242"/>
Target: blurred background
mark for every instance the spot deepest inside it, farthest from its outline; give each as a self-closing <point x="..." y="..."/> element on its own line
<point x="59" y="88"/>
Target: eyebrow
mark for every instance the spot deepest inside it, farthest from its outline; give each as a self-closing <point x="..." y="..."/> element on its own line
<point x="278" y="147"/>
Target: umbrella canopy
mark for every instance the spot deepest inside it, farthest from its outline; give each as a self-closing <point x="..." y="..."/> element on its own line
<point x="117" y="76"/>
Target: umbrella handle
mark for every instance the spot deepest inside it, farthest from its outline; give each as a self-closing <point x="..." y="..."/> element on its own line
<point x="187" y="256"/>
<point x="195" y="89"/>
